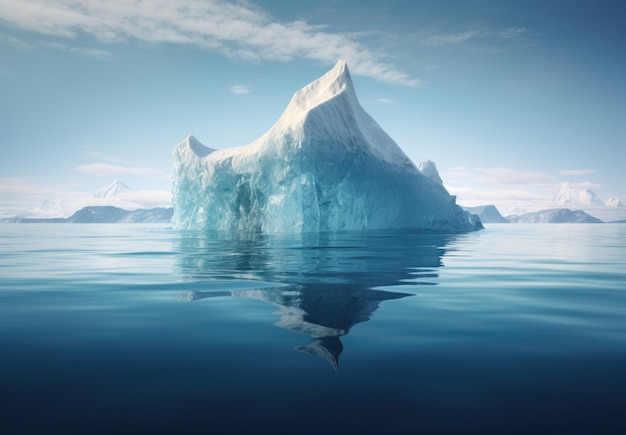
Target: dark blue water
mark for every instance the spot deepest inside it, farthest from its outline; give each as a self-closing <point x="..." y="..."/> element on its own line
<point x="138" y="328"/>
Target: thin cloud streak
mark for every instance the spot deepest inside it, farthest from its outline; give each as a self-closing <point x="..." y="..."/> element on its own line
<point x="98" y="155"/>
<point x="108" y="170"/>
<point x="576" y="172"/>
<point x="513" y="32"/>
<point x="237" y="30"/>
<point x="239" y="90"/>
<point x="513" y="176"/>
<point x="83" y="51"/>
<point x="460" y="37"/>
<point x="505" y="187"/>
<point x="450" y="38"/>
<point x="501" y="176"/>
<point x="497" y="195"/>
<point x="585" y="185"/>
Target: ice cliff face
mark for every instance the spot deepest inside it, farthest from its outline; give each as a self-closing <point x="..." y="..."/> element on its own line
<point x="325" y="165"/>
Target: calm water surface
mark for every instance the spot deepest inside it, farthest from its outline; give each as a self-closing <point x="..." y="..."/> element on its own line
<point x="138" y="328"/>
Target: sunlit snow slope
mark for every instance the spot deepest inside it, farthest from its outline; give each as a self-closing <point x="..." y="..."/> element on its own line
<point x="325" y="165"/>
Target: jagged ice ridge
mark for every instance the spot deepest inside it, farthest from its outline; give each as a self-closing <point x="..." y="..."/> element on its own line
<point x="325" y="165"/>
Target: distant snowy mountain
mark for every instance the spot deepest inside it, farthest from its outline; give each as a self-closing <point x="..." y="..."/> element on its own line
<point x="568" y="194"/>
<point x="325" y="165"/>
<point x="113" y="190"/>
<point x="116" y="194"/>
<point x="488" y="214"/>
<point x="110" y="214"/>
<point x="587" y="201"/>
<point x="105" y="214"/>
<point x="51" y="209"/>
<point x="514" y="211"/>
<point x="554" y="216"/>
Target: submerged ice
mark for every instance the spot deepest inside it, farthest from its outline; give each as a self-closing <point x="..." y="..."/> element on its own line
<point x="325" y="165"/>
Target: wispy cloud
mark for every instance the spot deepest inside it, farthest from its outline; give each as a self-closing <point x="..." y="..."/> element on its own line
<point x="481" y="196"/>
<point x="92" y="152"/>
<point x="576" y="172"/>
<point x="109" y="170"/>
<point x="22" y="45"/>
<point x="513" y="176"/>
<point x="239" y="90"/>
<point x="508" y="187"/>
<point x="501" y="176"/>
<point x="384" y="101"/>
<point x="19" y="194"/>
<point x="585" y="185"/>
<point x="14" y="42"/>
<point x="82" y="51"/>
<point x="505" y="187"/>
<point x="236" y="29"/>
<point x="460" y="37"/>
<point x="513" y="32"/>
<point x="15" y="186"/>
<point x="450" y="38"/>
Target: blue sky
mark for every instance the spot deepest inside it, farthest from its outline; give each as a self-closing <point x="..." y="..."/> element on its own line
<point x="508" y="98"/>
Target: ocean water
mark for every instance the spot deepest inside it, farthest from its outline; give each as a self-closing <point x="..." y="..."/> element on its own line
<point x="139" y="328"/>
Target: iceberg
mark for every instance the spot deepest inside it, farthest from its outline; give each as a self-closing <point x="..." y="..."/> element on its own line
<point x="488" y="214"/>
<point x="325" y="165"/>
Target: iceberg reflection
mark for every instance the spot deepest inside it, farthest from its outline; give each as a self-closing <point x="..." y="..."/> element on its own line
<point x="327" y="283"/>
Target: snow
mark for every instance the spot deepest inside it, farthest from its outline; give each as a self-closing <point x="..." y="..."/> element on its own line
<point x="51" y="209"/>
<point x="568" y="194"/>
<point x="614" y="202"/>
<point x="586" y="200"/>
<point x="113" y="190"/>
<point x="324" y="165"/>
<point x="429" y="169"/>
<point x="561" y="215"/>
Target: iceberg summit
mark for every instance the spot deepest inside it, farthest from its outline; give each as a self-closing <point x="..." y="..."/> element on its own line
<point x="325" y="165"/>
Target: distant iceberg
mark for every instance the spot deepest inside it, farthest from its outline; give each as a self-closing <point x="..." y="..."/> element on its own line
<point x="325" y="165"/>
<point x="488" y="214"/>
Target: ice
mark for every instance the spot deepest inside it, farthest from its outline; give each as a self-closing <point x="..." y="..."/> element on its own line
<point x="325" y="165"/>
<point x="429" y="169"/>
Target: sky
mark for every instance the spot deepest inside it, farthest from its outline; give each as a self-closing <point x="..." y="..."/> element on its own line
<point x="509" y="98"/>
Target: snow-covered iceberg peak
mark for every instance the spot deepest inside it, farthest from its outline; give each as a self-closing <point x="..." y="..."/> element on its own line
<point x="325" y="165"/>
<point x="332" y="84"/>
<point x="196" y="146"/>
<point x="429" y="169"/>
<point x="328" y="110"/>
